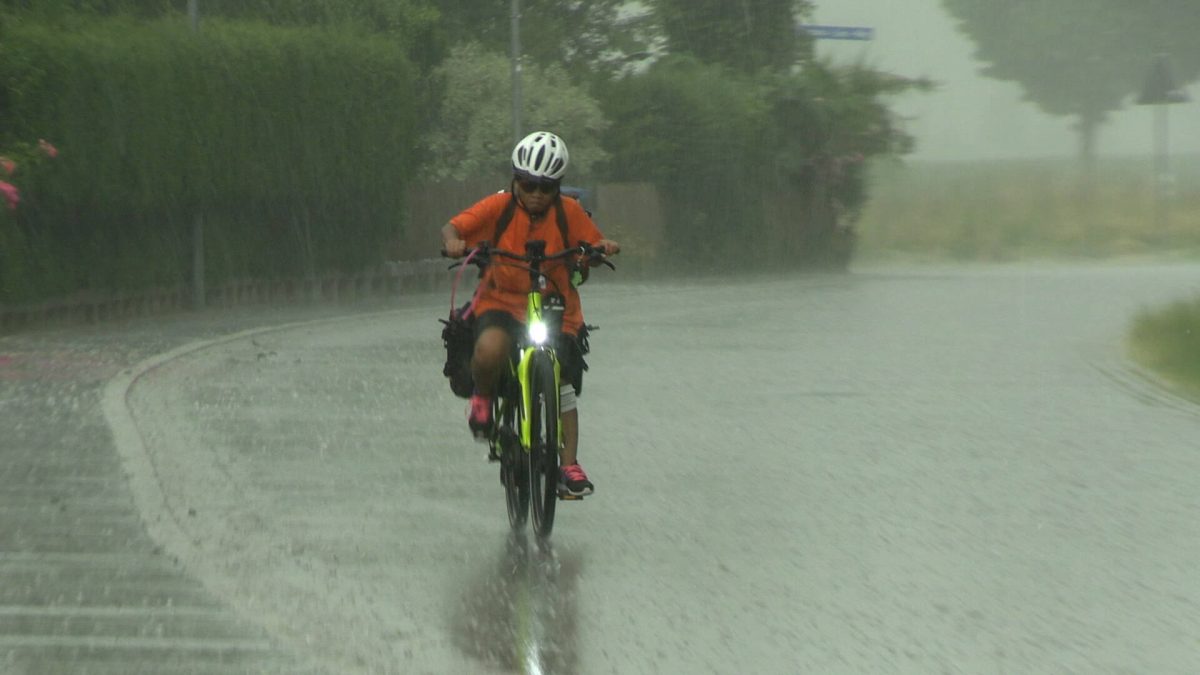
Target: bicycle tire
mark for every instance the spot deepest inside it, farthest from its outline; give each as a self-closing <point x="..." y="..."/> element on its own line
<point x="514" y="471"/>
<point x="544" y="443"/>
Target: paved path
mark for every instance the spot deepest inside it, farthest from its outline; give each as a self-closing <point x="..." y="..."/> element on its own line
<point x="910" y="472"/>
<point x="83" y="588"/>
<point x="922" y="471"/>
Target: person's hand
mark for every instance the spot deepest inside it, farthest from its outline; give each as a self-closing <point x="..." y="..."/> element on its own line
<point x="610" y="247"/>
<point x="454" y="248"/>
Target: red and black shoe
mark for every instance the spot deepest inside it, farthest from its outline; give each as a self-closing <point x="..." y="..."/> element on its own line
<point x="479" y="417"/>
<point x="574" y="482"/>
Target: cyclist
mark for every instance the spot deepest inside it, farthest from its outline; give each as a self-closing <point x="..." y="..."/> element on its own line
<point x="535" y="209"/>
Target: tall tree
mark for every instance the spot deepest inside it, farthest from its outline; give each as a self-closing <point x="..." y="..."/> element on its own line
<point x="746" y="35"/>
<point x="472" y="134"/>
<point x="1080" y="58"/>
<point x="588" y="38"/>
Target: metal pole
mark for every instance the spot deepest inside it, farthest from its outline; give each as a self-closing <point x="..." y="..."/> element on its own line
<point x="198" y="290"/>
<point x="1162" y="169"/>
<point x="516" y="70"/>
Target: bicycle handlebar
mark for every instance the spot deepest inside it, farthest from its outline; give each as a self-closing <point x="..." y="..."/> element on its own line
<point x="480" y="255"/>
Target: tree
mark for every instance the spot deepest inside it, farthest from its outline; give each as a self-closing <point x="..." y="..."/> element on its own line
<point x="472" y="136"/>
<point x="746" y="35"/>
<point x="588" y="38"/>
<point x="831" y="120"/>
<point x="1080" y="58"/>
<point x="745" y="134"/>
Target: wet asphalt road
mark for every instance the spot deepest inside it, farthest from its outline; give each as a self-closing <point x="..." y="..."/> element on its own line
<point x="83" y="588"/>
<point x="891" y="471"/>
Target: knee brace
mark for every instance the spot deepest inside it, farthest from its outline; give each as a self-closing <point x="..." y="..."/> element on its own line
<point x="566" y="398"/>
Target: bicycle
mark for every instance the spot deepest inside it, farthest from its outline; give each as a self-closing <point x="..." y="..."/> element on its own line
<point x="526" y="435"/>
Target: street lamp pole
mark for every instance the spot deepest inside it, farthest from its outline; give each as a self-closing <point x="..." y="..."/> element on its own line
<point x="198" y="290"/>
<point x="516" y="70"/>
<point x="1162" y="168"/>
<point x="1159" y="90"/>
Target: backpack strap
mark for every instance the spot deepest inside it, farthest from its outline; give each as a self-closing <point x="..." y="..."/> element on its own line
<point x="561" y="213"/>
<point x="505" y="218"/>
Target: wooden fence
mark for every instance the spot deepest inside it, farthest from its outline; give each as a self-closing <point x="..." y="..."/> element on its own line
<point x="92" y="307"/>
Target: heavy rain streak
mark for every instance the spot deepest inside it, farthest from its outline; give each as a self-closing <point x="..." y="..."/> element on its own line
<point x="894" y="365"/>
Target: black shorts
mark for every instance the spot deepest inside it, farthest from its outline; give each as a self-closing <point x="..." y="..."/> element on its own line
<point x="569" y="348"/>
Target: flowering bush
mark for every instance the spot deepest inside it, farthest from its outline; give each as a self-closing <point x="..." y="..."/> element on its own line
<point x="19" y="166"/>
<point x="23" y="155"/>
<point x="11" y="194"/>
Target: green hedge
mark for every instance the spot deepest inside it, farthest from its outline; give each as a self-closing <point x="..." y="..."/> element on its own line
<point x="294" y="144"/>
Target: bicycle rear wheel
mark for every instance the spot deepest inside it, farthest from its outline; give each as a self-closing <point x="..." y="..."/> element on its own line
<point x="544" y="443"/>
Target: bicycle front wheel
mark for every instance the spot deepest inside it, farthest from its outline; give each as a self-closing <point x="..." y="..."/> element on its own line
<point x="514" y="471"/>
<point x="543" y="443"/>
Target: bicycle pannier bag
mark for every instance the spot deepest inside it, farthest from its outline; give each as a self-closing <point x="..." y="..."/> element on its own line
<point x="458" y="337"/>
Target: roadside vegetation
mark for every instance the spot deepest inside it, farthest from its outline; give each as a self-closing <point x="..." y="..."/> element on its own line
<point x="1028" y="209"/>
<point x="279" y="139"/>
<point x="1167" y="340"/>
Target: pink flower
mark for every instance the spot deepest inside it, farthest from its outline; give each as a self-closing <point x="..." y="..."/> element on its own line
<point x="11" y="193"/>
<point x="47" y="148"/>
<point x="8" y="165"/>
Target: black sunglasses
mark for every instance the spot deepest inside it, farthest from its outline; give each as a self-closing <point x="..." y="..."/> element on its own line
<point x="548" y="187"/>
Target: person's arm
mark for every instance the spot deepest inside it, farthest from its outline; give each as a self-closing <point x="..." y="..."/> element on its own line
<point x="473" y="225"/>
<point x="452" y="243"/>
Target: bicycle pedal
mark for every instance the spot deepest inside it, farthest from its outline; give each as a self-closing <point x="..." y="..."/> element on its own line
<point x="568" y="497"/>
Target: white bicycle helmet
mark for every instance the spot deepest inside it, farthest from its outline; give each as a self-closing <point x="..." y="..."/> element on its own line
<point x="541" y="155"/>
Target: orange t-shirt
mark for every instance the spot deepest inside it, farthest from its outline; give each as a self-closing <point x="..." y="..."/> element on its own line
<point x="504" y="287"/>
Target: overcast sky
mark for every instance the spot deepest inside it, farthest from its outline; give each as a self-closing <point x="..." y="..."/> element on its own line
<point x="971" y="116"/>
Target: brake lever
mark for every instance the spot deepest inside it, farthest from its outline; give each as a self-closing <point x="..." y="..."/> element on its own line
<point x="596" y="255"/>
<point x="480" y="258"/>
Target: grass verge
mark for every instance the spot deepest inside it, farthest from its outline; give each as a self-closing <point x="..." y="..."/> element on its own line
<point x="1005" y="210"/>
<point x="1167" y="340"/>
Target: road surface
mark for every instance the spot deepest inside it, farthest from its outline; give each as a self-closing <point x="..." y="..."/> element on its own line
<point x="898" y="471"/>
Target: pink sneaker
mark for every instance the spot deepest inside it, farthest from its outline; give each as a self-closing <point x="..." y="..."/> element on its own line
<point x="479" y="416"/>
<point x="573" y="481"/>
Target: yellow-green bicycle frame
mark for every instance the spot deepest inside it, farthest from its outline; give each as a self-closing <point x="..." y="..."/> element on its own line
<point x="534" y="317"/>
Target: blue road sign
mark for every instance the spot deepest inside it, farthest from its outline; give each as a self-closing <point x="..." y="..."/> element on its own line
<point x="839" y="32"/>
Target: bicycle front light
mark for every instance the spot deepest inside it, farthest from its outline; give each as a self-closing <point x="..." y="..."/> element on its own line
<point x="538" y="332"/>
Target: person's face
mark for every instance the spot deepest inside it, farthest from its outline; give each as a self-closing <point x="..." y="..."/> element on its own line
<point x="536" y="194"/>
